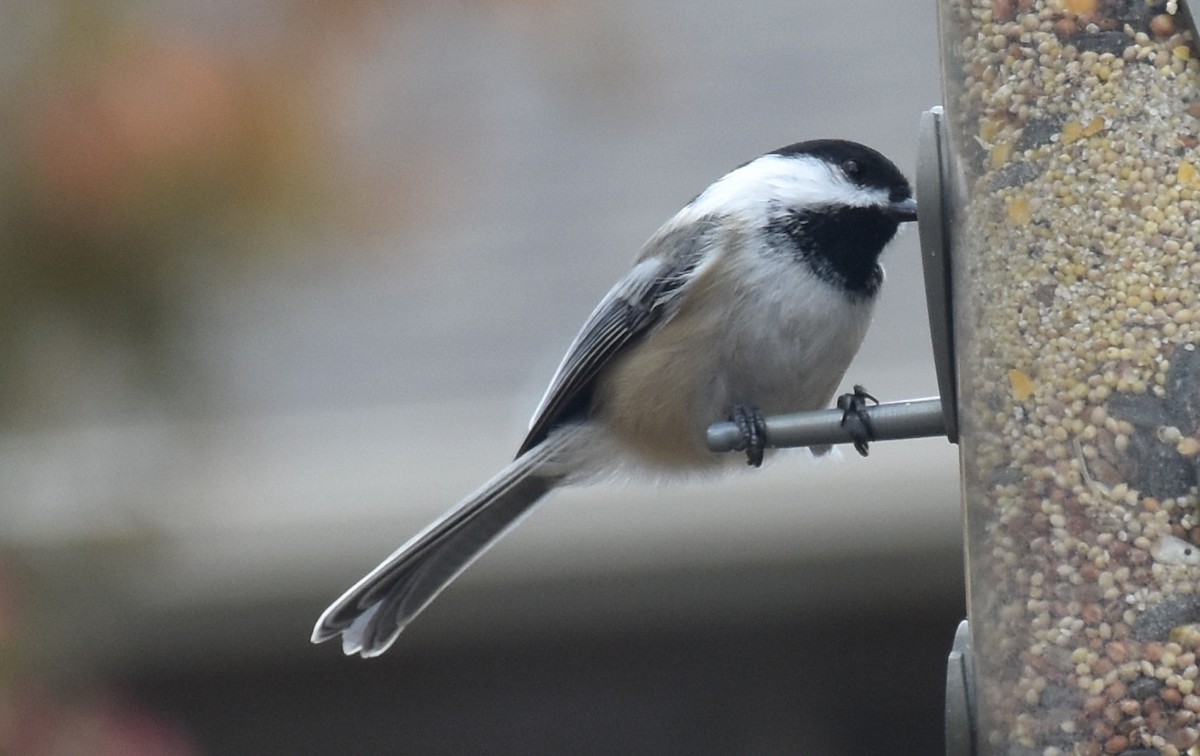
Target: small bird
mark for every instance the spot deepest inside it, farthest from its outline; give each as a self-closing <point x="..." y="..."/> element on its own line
<point x="750" y="302"/>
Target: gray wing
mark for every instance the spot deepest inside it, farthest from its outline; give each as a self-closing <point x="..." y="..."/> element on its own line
<point x="644" y="299"/>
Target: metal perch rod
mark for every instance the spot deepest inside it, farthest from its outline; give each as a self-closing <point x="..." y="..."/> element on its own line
<point x="913" y="418"/>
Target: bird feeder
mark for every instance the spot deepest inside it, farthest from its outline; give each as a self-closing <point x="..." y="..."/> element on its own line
<point x="1063" y="195"/>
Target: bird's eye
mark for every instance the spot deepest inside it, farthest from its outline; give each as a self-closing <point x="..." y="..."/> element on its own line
<point x="853" y="170"/>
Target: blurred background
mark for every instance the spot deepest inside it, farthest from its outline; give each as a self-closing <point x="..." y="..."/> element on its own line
<point x="284" y="280"/>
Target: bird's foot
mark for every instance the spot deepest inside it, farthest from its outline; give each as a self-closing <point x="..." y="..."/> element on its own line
<point x="855" y="419"/>
<point x="753" y="427"/>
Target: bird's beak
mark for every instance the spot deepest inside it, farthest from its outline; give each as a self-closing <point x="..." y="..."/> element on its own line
<point x="904" y="210"/>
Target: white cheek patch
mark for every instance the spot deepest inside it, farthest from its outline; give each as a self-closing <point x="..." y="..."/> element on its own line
<point x="775" y="179"/>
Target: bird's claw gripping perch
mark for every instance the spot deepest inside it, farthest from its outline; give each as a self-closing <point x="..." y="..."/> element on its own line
<point x="753" y="427"/>
<point x="855" y="419"/>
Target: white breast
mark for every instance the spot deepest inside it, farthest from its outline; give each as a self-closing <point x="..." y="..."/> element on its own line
<point x="789" y="339"/>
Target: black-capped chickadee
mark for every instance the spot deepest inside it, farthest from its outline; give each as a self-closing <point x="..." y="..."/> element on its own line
<point x="751" y="301"/>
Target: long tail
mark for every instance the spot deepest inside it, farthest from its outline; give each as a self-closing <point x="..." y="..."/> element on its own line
<point x="371" y="614"/>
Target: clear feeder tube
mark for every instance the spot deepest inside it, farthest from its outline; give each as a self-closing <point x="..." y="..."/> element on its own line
<point x="1074" y="128"/>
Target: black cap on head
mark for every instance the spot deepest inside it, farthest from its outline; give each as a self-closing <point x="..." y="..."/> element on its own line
<point x="861" y="164"/>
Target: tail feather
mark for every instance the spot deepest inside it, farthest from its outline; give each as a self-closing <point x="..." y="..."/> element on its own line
<point x="371" y="614"/>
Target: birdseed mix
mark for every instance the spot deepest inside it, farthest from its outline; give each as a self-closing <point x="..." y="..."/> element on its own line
<point x="1076" y="128"/>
